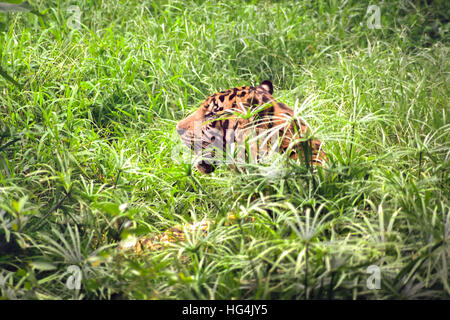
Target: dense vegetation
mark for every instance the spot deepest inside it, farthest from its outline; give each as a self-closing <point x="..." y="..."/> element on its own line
<point x="87" y="130"/>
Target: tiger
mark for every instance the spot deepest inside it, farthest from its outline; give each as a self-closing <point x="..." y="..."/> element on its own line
<point x="228" y="117"/>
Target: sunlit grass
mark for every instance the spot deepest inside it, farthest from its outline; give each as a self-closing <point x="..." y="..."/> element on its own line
<point x="86" y="146"/>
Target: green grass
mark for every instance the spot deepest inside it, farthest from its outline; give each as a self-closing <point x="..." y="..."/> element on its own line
<point x="86" y="143"/>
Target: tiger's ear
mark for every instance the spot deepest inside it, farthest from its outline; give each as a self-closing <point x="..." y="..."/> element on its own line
<point x="267" y="86"/>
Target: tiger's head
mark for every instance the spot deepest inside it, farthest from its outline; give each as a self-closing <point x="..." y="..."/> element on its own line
<point x="228" y="117"/>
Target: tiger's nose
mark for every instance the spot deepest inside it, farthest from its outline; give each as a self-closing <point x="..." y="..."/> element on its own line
<point x="180" y="131"/>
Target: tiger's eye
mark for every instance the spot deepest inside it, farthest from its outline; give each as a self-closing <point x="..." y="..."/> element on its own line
<point x="217" y="108"/>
